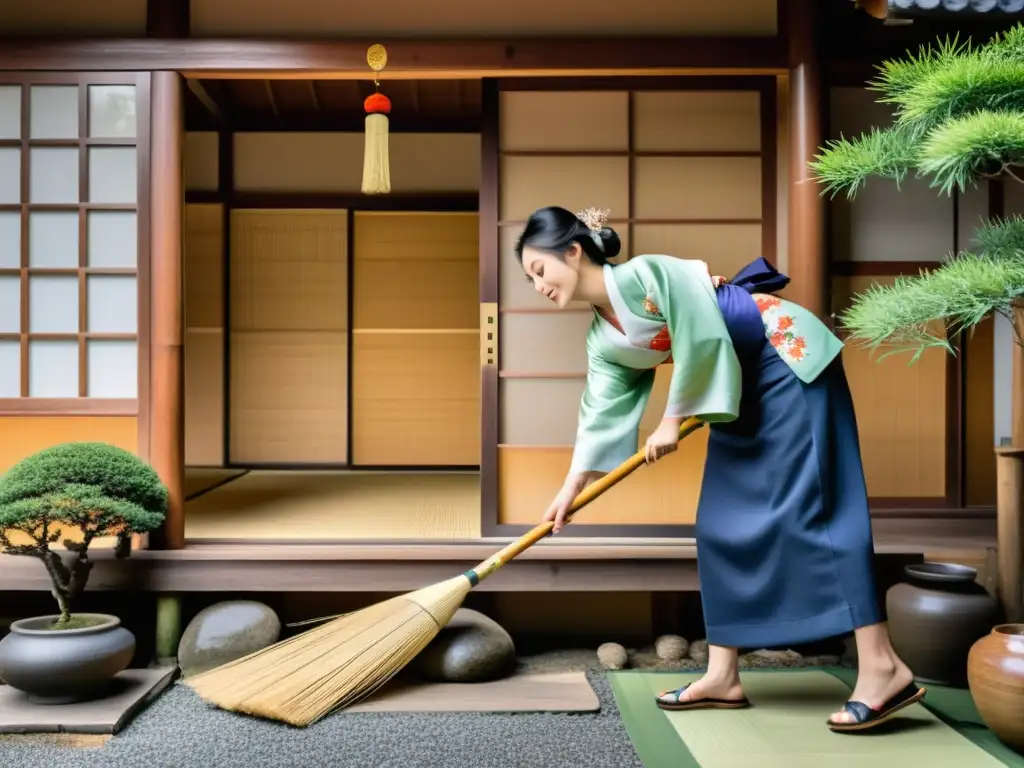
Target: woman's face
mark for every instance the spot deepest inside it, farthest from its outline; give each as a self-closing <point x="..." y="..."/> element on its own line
<point x="554" y="278"/>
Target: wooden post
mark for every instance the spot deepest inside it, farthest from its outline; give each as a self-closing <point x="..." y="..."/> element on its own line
<point x="167" y="401"/>
<point x="807" y="256"/>
<point x="1010" y="488"/>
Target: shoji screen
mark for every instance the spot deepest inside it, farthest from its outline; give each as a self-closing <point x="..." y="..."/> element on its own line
<point x="289" y="337"/>
<point x="681" y="173"/>
<point x="415" y="336"/>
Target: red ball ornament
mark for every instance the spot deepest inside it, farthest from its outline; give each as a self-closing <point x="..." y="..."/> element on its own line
<point x="377" y="103"/>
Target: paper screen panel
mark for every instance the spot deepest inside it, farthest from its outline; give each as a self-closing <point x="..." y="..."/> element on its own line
<point x="665" y="493"/>
<point x="540" y="411"/>
<point x="514" y="291"/>
<point x="529" y="183"/>
<point x="289" y="270"/>
<point x="694" y="121"/>
<point x="901" y="411"/>
<point x="204" y="398"/>
<point x="204" y="265"/>
<point x="572" y="121"/>
<point x="725" y="247"/>
<point x="22" y="436"/>
<point x="289" y="397"/>
<point x="416" y="399"/>
<point x="697" y="188"/>
<point x="544" y="342"/>
<point x="435" y="255"/>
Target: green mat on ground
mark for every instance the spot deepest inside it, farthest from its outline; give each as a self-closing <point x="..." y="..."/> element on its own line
<point x="785" y="727"/>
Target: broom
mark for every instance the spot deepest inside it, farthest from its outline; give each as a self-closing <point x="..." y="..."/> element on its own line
<point x="300" y="680"/>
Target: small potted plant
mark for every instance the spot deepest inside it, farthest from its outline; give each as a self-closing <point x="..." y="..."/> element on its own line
<point x="93" y="490"/>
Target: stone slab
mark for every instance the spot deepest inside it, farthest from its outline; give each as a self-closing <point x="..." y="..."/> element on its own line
<point x="132" y="690"/>
<point x="550" y="692"/>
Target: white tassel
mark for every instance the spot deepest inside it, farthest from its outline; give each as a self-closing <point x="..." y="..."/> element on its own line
<point x="376" y="165"/>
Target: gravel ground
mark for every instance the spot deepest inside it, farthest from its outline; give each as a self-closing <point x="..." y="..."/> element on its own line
<point x="181" y="731"/>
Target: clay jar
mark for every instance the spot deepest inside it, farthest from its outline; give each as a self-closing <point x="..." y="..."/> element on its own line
<point x="995" y="673"/>
<point x="936" y="616"/>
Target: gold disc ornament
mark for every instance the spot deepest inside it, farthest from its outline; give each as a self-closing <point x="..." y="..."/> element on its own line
<point x="377" y="57"/>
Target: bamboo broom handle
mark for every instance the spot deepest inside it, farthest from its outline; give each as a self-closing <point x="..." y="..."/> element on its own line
<point x="587" y="495"/>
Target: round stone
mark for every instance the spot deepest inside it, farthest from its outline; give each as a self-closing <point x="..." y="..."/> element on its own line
<point x="671" y="647"/>
<point x="612" y="656"/>
<point x="472" y="648"/>
<point x="225" y="632"/>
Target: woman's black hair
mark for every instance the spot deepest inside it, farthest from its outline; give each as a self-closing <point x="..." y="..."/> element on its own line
<point x="555" y="229"/>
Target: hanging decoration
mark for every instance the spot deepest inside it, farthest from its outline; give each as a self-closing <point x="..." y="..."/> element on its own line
<point x="376" y="165"/>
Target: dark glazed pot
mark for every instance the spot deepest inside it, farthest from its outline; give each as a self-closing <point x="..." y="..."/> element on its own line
<point x="62" y="666"/>
<point x="936" y="616"/>
<point x="995" y="673"/>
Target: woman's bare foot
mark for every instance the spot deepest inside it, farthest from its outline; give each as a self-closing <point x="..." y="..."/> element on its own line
<point x="719" y="687"/>
<point x="881" y="674"/>
<point x="706" y="692"/>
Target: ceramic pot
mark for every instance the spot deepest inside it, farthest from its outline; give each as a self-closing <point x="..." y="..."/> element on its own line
<point x="995" y="674"/>
<point x="936" y="616"/>
<point x="64" y="665"/>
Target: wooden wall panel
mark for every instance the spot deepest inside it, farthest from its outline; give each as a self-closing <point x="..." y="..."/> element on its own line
<point x="289" y="337"/>
<point x="204" y="398"/>
<point x="416" y="346"/>
<point x="901" y="412"/>
<point x="416" y="270"/>
<point x="204" y="334"/>
<point x="333" y="162"/>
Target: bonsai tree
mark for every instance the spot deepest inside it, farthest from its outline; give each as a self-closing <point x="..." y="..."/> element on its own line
<point x="98" y="489"/>
<point x="959" y="118"/>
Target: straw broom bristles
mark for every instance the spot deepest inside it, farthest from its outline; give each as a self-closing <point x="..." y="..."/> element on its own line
<point x="302" y="679"/>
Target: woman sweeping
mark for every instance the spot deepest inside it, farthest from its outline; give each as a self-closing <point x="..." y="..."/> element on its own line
<point x="785" y="554"/>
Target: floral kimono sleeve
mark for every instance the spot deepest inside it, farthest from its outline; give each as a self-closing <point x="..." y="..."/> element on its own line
<point x="706" y="377"/>
<point x="610" y="411"/>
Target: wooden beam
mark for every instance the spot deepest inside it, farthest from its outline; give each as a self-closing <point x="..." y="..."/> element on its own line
<point x="242" y="122"/>
<point x="807" y="255"/>
<point x="167" y="401"/>
<point x="302" y="59"/>
<point x="211" y="105"/>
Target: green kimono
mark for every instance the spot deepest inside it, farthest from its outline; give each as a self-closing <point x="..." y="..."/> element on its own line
<point x="666" y="311"/>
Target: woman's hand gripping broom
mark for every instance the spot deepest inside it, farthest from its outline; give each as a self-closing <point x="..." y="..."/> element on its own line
<point x="302" y="679"/>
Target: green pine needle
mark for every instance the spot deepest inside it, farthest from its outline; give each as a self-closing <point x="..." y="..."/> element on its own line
<point x="914" y="313"/>
<point x="961" y="149"/>
<point x="845" y="165"/>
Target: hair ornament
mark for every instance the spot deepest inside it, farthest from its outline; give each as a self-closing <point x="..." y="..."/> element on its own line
<point x="594" y="218"/>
